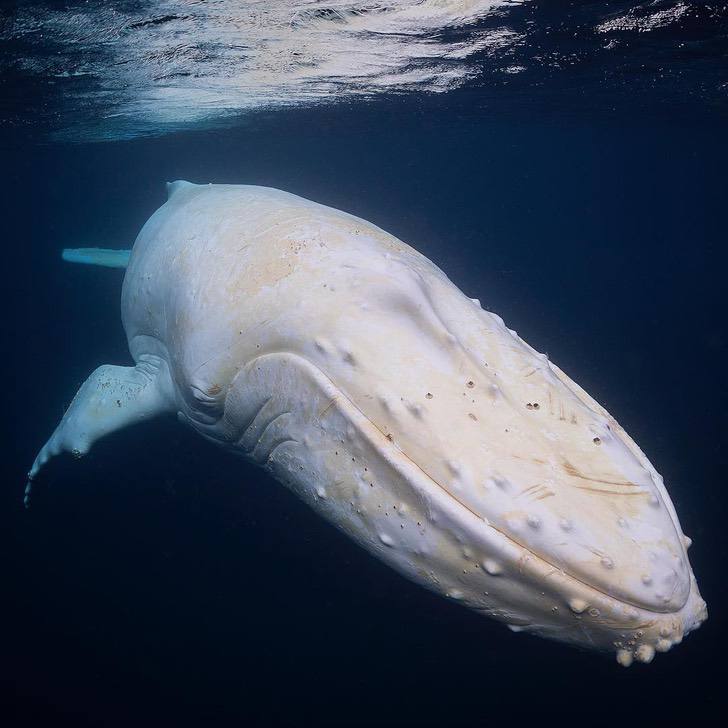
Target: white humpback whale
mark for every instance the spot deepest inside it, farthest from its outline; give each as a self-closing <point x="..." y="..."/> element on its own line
<point x="351" y="368"/>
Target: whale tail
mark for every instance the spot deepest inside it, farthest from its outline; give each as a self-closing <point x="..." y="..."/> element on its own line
<point x="97" y="256"/>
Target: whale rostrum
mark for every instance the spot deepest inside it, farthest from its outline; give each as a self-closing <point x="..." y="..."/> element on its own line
<point x="352" y="369"/>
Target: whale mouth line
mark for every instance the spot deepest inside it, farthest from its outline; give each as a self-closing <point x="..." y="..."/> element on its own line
<point x="387" y="443"/>
<point x="500" y="531"/>
<point x="535" y="555"/>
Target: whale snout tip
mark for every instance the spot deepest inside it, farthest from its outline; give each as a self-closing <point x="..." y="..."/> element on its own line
<point x="663" y="633"/>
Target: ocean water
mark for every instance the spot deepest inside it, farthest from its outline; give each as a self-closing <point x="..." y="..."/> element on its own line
<point x="563" y="162"/>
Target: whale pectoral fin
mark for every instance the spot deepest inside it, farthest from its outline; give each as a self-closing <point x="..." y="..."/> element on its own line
<point x="112" y="398"/>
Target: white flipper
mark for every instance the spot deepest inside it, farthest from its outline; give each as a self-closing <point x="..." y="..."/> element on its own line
<point x="112" y="398"/>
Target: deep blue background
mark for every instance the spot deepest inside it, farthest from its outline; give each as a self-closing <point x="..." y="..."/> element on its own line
<point x="161" y="582"/>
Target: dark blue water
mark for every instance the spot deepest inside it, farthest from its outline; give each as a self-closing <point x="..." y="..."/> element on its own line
<point x="162" y="582"/>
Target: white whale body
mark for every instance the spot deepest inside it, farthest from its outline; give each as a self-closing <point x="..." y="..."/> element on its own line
<point x="348" y="365"/>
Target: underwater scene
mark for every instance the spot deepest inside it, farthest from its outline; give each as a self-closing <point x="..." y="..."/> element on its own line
<point x="364" y="362"/>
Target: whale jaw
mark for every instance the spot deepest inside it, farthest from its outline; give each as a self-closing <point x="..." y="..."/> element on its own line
<point x="285" y="414"/>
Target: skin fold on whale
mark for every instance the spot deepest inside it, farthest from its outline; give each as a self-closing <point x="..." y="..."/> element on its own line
<point x="351" y="368"/>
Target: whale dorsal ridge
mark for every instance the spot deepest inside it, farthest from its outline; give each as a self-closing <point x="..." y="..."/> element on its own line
<point x="174" y="187"/>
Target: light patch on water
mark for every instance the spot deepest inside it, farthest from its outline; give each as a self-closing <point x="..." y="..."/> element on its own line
<point x="642" y="20"/>
<point x="154" y="66"/>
